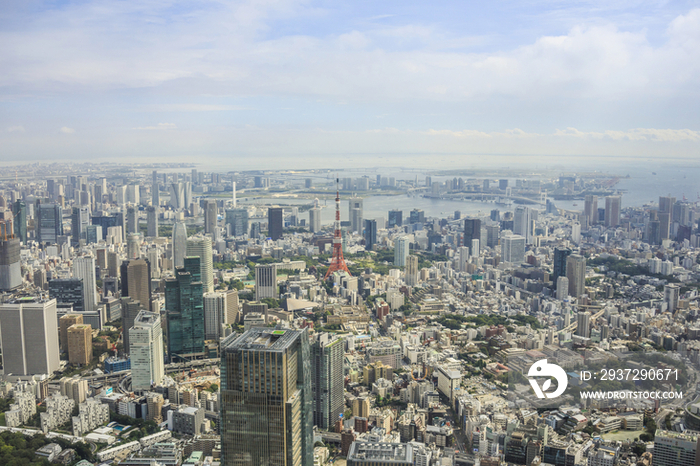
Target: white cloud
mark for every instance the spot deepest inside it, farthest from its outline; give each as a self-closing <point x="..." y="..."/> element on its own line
<point x="192" y="108"/>
<point x="159" y="126"/>
<point x="15" y="129"/>
<point x="67" y="130"/>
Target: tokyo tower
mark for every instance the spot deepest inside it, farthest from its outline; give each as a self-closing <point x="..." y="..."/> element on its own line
<point x="337" y="261"/>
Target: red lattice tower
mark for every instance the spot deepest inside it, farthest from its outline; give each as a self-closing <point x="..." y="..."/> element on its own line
<point x="337" y="261"/>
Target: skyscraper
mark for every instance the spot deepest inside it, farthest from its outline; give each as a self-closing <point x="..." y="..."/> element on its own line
<point x="265" y="281"/>
<point x="146" y="351"/>
<point x="267" y="399"/>
<point x="327" y="353"/>
<point x="559" y="267"/>
<point x="48" y="220"/>
<point x="583" y="324"/>
<point x="29" y="336"/>
<point x="152" y="221"/>
<point x="130" y="308"/>
<point x="513" y="249"/>
<point x="84" y="269"/>
<point x="417" y="216"/>
<point x="401" y="250"/>
<point x="185" y="309"/>
<point x="411" y="273"/>
<point x="210" y="214"/>
<point x="10" y="266"/>
<point x="79" y="343"/>
<point x="355" y="217"/>
<point x="179" y="244"/>
<point x="370" y="234"/>
<point x="133" y="246"/>
<point x="395" y="218"/>
<point x="215" y="307"/>
<point x="522" y="223"/>
<point x="19" y="210"/>
<point x="275" y="222"/>
<point x="80" y="219"/>
<point x="132" y="219"/>
<point x="64" y="323"/>
<point x="590" y="209"/>
<point x="314" y="219"/>
<point x="472" y="230"/>
<point x="576" y="273"/>
<point x="136" y="281"/>
<point x="238" y="221"/>
<point x="200" y="246"/>
<point x="612" y="211"/>
<point x="68" y="291"/>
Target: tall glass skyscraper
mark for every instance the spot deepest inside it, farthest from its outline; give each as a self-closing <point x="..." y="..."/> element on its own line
<point x="267" y="400"/>
<point x="49" y="222"/>
<point x="185" y="308"/>
<point x="328" y="353"/>
<point x="238" y="219"/>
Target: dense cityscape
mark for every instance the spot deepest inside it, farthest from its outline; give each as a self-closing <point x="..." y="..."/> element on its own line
<point x="162" y="314"/>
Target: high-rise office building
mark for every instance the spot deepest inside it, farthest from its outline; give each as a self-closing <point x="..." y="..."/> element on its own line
<point x="355" y="214"/>
<point x="132" y="219"/>
<point x="327" y="353"/>
<point x="146" y="351"/>
<point x="19" y="210"/>
<point x="215" y="314"/>
<point x="64" y="323"/>
<point x="513" y="249"/>
<point x="238" y="221"/>
<point x="152" y="221"/>
<point x="314" y="219"/>
<point x="416" y="216"/>
<point x="370" y="234"/>
<point x="80" y="219"/>
<point x="265" y="281"/>
<point x="133" y="246"/>
<point x="79" y="344"/>
<point x="210" y="217"/>
<point x="10" y="266"/>
<point x="267" y="399"/>
<point x="136" y="281"/>
<point x="583" y="324"/>
<point x="84" y="269"/>
<point x="275" y="222"/>
<point x="472" y="230"/>
<point x="68" y="291"/>
<point x="523" y="223"/>
<point x="29" y="336"/>
<point x="562" y="285"/>
<point x="200" y="246"/>
<point x="411" y="272"/>
<point x="559" y="267"/>
<point x="666" y="203"/>
<point x="185" y="310"/>
<point x="676" y="448"/>
<point x="612" y="211"/>
<point x="664" y="226"/>
<point x="590" y="209"/>
<point x="395" y="219"/>
<point x="492" y="235"/>
<point x="179" y="244"/>
<point x="130" y="308"/>
<point x="48" y="220"/>
<point x="401" y="250"/>
<point x="576" y="273"/>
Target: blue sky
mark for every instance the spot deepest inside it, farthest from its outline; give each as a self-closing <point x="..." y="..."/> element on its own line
<point x="284" y="79"/>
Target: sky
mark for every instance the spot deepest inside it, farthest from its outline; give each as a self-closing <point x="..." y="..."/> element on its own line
<point x="288" y="83"/>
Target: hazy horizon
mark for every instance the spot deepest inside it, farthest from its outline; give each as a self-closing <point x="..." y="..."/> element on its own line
<point x="283" y="80"/>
